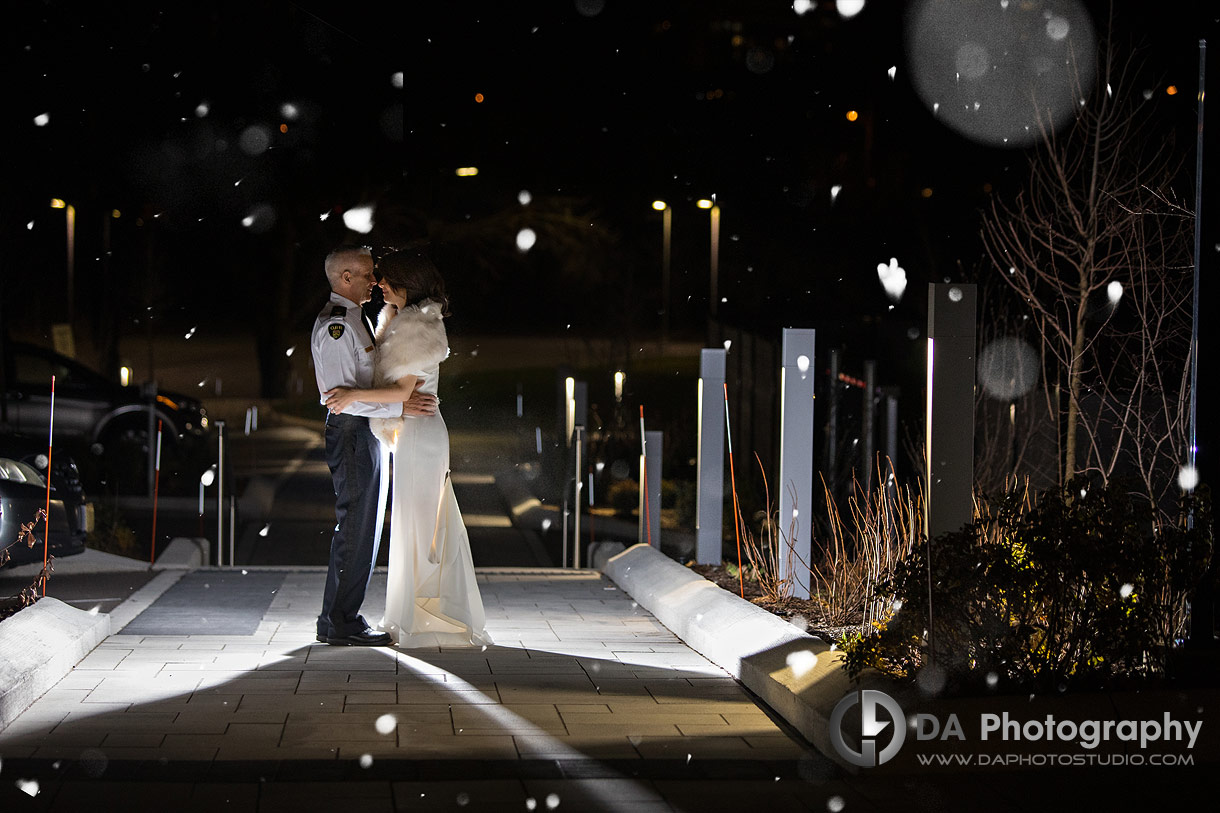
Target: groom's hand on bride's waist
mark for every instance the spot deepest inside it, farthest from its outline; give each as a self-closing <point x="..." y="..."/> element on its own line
<point x="420" y="404"/>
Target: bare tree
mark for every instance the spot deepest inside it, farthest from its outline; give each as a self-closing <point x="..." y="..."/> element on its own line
<point x="1096" y="249"/>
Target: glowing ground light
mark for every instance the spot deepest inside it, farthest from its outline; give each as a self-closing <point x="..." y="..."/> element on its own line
<point x="834" y="192"/>
<point x="1126" y="590"/>
<point x="834" y="804"/>
<point x="366" y="760"/>
<point x="552" y="801"/>
<point x="526" y="239"/>
<point x="386" y="724"/>
<point x="28" y="786"/>
<point x="396" y="79"/>
<point x="803" y="7"/>
<point x="1114" y="291"/>
<point x="992" y="680"/>
<point x="42" y="119"/>
<point x="1188" y="478"/>
<point x="524" y="197"/>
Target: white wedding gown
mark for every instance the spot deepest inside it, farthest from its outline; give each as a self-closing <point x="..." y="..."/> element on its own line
<point x="432" y="598"/>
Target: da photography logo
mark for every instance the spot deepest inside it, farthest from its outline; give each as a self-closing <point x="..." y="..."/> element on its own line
<point x="874" y="727"/>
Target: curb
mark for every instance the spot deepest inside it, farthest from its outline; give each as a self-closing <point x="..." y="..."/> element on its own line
<point x="183" y="553"/>
<point x="798" y="675"/>
<point x="44" y="642"/>
<point x="41" y="644"/>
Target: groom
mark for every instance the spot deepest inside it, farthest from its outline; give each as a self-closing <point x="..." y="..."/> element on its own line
<point x="342" y="345"/>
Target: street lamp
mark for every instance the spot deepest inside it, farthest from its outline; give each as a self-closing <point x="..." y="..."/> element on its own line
<point x="666" y="230"/>
<point x="714" y="210"/>
<point x="70" y="212"/>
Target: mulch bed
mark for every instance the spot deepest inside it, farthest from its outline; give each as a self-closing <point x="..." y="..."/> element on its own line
<point x="810" y="609"/>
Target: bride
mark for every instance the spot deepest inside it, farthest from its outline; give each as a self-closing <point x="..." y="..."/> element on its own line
<point x="432" y="598"/>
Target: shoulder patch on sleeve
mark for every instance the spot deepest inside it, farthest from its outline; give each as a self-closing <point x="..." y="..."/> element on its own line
<point x="335" y="330"/>
<point x="338" y="310"/>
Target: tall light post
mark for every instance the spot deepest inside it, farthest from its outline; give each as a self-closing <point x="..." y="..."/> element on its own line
<point x="714" y="210"/>
<point x="70" y="212"/>
<point x="666" y="230"/>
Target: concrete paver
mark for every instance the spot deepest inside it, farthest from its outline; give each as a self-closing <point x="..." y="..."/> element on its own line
<point x="579" y="675"/>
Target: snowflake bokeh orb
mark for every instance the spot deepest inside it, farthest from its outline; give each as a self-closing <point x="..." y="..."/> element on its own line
<point x="998" y="72"/>
<point x="1008" y="368"/>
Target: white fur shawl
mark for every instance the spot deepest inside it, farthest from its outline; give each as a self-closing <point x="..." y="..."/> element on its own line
<point x="408" y="343"/>
<point x="411" y="342"/>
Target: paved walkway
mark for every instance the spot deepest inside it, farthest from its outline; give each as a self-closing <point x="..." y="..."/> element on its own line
<point x="586" y="702"/>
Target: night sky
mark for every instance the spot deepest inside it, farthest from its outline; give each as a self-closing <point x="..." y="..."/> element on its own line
<point x="231" y="137"/>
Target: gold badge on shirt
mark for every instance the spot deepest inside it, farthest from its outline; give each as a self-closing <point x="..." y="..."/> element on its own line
<point x="336" y="331"/>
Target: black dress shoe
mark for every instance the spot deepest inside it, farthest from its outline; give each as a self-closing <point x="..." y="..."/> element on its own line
<point x="366" y="638"/>
<point x="321" y="638"/>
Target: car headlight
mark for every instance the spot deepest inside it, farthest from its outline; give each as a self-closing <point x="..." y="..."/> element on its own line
<point x="18" y="472"/>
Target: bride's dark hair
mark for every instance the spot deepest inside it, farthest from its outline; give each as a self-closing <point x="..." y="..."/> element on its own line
<point x="412" y="273"/>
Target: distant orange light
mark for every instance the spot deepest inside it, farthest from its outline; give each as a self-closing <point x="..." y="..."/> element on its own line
<point x="283" y="128"/>
<point x="1172" y="90"/>
<point x="478" y="97"/>
<point x="852" y="115"/>
<point x="926" y="192"/>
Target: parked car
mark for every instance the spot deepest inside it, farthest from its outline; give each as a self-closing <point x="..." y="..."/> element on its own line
<point x="23" y="493"/>
<point x="90" y="407"/>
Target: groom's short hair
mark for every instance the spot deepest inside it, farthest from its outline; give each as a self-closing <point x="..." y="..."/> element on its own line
<point x="340" y="259"/>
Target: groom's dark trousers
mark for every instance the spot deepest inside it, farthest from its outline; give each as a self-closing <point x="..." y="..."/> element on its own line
<point x="354" y="457"/>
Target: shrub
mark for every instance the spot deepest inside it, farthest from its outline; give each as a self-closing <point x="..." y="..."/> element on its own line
<point x="685" y="502"/>
<point x="624" y="497"/>
<point x="1077" y="588"/>
<point x="111" y="533"/>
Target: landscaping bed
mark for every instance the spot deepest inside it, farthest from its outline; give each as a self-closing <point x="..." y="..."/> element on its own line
<point x="806" y="613"/>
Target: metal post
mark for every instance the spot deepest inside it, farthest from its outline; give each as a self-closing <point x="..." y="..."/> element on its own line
<point x="709" y="507"/>
<point x="1203" y="601"/>
<point x="151" y="392"/>
<point x="233" y="527"/>
<point x="832" y="421"/>
<point x="715" y="282"/>
<point x="666" y="231"/>
<point x="576" y="499"/>
<point x="891" y="425"/>
<point x="949" y="500"/>
<point x="949" y="476"/>
<point x="795" y="532"/>
<point x="563" y="530"/>
<point x="652" y="452"/>
<point x="868" y="451"/>
<point x="220" y="492"/>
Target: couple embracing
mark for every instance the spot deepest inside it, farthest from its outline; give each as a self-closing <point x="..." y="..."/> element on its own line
<point x="379" y="387"/>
